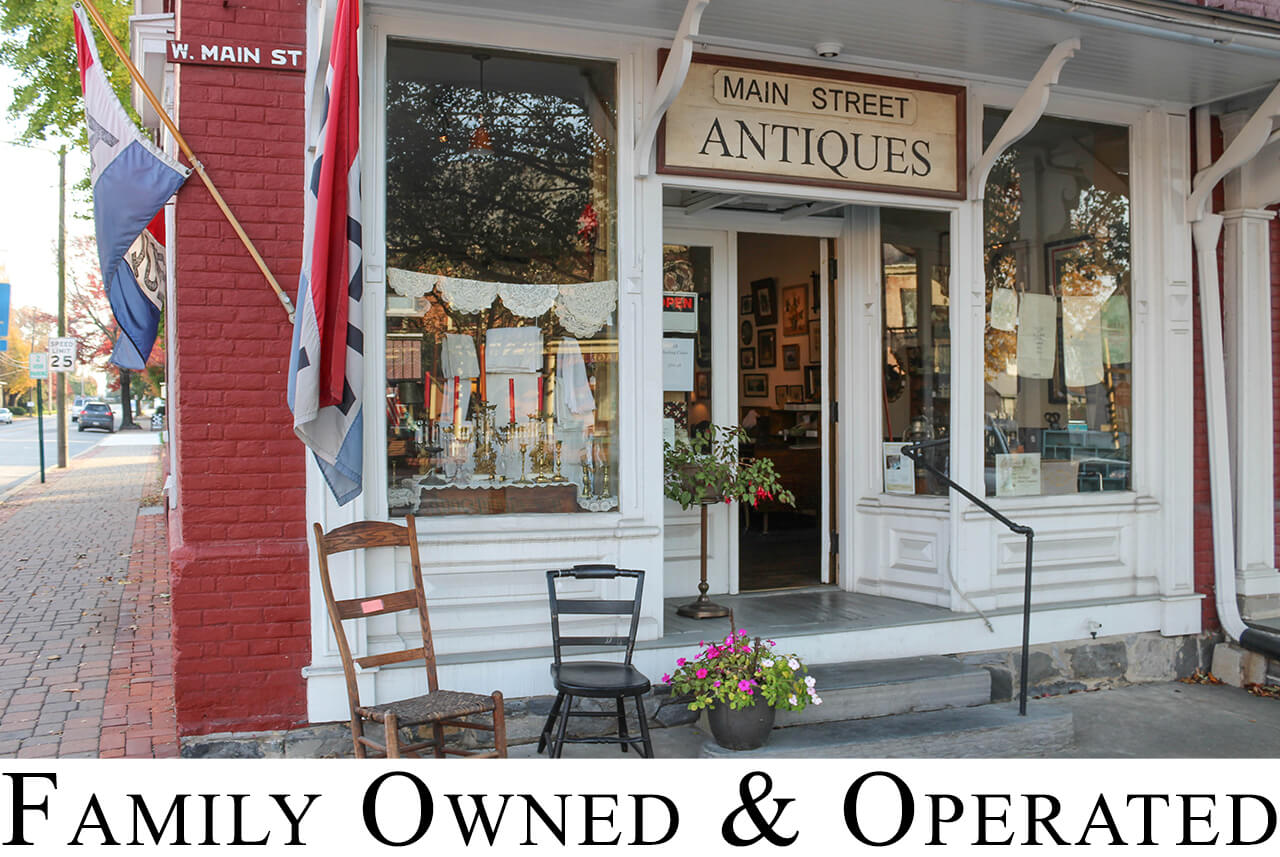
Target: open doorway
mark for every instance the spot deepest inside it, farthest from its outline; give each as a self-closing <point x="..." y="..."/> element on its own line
<point x="780" y="367"/>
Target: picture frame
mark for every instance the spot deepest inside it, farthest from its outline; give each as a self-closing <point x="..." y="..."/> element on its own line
<point x="791" y="357"/>
<point x="1057" y="255"/>
<point x="746" y="305"/>
<point x="747" y="358"/>
<point x="795" y="393"/>
<point x="767" y="348"/>
<point x="755" y="385"/>
<point x="780" y="394"/>
<point x="813" y="382"/>
<point x="764" y="293"/>
<point x="702" y="384"/>
<point x="746" y="331"/>
<point x="795" y="310"/>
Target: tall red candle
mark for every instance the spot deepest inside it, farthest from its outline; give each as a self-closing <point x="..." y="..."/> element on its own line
<point x="540" y="397"/>
<point x="511" y="397"/>
<point x="430" y="394"/>
<point x="456" y="420"/>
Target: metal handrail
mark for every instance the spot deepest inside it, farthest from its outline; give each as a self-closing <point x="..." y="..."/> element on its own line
<point x="914" y="453"/>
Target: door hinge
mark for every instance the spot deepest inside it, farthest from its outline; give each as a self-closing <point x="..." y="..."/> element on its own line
<point x="835" y="412"/>
<point x="832" y="267"/>
<point x="835" y="542"/>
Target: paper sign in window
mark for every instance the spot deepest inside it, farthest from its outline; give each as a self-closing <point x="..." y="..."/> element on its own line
<point x="1081" y="341"/>
<point x="1004" y="309"/>
<point x="677" y="364"/>
<point x="1037" y="335"/>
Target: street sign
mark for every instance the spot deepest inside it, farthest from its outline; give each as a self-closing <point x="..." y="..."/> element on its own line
<point x="62" y="354"/>
<point x="39" y="367"/>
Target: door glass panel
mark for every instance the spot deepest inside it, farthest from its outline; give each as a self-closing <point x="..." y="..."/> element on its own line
<point x="686" y="345"/>
<point x="916" y="297"/>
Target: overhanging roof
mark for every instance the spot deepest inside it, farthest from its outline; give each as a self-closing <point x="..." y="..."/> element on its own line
<point x="1152" y="50"/>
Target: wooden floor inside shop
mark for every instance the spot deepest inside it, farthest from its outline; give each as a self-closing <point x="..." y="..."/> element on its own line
<point x="798" y="611"/>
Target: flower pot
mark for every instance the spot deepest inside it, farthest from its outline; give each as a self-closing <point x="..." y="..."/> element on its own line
<point x="741" y="729"/>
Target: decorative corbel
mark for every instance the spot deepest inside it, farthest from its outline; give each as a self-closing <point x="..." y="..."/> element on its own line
<point x="1026" y="113"/>
<point x="1256" y="133"/>
<point x="669" y="83"/>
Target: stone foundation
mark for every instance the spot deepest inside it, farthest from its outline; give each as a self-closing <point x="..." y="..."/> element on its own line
<point x="1077" y="665"/>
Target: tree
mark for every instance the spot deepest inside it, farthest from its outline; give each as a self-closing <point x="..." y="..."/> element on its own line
<point x="38" y="42"/>
<point x="28" y="326"/>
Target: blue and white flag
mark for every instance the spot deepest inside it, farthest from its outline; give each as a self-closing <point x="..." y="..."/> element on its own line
<point x="132" y="180"/>
<point x="327" y="361"/>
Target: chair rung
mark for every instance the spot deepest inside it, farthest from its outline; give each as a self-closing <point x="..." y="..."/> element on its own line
<point x="377" y="605"/>
<point x="594" y="641"/>
<point x="381" y="660"/>
<point x="577" y="605"/>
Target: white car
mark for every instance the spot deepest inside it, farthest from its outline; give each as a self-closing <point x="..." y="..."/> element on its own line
<point x="6" y="416"/>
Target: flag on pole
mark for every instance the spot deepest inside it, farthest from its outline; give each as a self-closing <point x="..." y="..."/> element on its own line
<point x="131" y="181"/>
<point x="326" y="363"/>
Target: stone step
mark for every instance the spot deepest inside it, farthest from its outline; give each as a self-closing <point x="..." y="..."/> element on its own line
<point x="985" y="731"/>
<point x="851" y="691"/>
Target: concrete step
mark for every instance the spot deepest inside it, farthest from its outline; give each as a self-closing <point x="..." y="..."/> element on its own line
<point x="852" y="691"/>
<point x="985" y="731"/>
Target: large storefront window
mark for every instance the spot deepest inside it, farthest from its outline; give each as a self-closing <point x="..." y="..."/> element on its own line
<point x="915" y="280"/>
<point x="1058" y="350"/>
<point x="501" y="347"/>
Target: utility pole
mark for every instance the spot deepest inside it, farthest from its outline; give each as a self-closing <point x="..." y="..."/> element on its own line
<point x="60" y="382"/>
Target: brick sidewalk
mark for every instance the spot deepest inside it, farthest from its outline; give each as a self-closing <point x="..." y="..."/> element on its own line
<point x="85" y="659"/>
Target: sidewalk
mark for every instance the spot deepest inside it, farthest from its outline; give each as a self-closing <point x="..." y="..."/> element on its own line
<point x="85" y="656"/>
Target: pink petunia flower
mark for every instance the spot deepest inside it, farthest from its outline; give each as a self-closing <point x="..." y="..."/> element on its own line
<point x="666" y="678"/>
<point x="680" y="662"/>
<point x="716" y="683"/>
<point x="701" y="673"/>
<point x="743" y="684"/>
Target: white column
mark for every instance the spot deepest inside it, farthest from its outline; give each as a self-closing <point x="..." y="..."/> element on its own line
<point x="1247" y="322"/>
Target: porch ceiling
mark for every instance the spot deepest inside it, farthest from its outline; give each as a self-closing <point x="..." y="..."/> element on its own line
<point x="1155" y="50"/>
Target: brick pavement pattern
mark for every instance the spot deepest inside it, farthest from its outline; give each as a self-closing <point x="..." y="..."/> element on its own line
<point x="82" y="620"/>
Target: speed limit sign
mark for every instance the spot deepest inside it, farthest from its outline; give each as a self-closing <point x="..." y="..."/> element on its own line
<point x="62" y="354"/>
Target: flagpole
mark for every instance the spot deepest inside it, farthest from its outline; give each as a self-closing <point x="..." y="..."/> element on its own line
<point x="186" y="150"/>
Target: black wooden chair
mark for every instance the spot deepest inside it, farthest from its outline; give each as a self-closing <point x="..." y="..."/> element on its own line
<point x="595" y="679"/>
<point x="434" y="709"/>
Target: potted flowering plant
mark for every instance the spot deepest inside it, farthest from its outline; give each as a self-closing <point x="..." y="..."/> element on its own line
<point x="741" y="683"/>
<point x="709" y="468"/>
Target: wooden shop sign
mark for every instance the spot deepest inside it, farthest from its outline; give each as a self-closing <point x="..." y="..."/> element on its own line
<point x="235" y="53"/>
<point x="737" y="118"/>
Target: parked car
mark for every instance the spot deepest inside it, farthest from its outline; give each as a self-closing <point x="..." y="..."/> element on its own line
<point x="6" y="416"/>
<point x="97" y="415"/>
<point x="77" y="406"/>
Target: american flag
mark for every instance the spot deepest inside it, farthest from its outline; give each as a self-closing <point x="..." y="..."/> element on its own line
<point x="326" y="363"/>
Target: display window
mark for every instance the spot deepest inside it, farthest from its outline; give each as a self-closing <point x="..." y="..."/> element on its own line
<point x="1058" y="356"/>
<point x="501" y="248"/>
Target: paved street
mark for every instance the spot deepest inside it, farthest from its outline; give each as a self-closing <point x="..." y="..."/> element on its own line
<point x="85" y="659"/>
<point x="20" y="452"/>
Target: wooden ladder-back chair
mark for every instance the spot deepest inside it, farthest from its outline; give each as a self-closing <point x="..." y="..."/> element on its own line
<point x="616" y="680"/>
<point x="436" y="708"/>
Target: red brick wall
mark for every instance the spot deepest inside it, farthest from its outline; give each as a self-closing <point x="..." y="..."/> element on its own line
<point x="240" y="590"/>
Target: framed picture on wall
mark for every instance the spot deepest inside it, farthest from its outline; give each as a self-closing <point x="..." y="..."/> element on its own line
<point x="765" y="294"/>
<point x="745" y="305"/>
<point x="747" y="358"/>
<point x="780" y="394"/>
<point x="791" y="357"/>
<point x="755" y="386"/>
<point x="747" y="331"/>
<point x="813" y="383"/>
<point x="702" y="383"/>
<point x="815" y="341"/>
<point x="767" y="348"/>
<point x="795" y="310"/>
<point x="795" y="393"/>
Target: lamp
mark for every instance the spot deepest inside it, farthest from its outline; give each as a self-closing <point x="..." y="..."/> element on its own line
<point x="481" y="146"/>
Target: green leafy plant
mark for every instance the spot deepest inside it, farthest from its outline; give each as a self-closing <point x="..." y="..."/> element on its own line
<point x="740" y="672"/>
<point x="709" y="467"/>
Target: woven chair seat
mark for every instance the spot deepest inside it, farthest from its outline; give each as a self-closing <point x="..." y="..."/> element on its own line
<point x="431" y="707"/>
